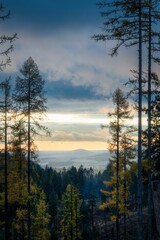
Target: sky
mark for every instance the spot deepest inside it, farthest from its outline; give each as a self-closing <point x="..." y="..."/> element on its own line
<point x="80" y="76"/>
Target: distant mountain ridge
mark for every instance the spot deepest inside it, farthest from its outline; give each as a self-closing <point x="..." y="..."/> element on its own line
<point x="97" y="159"/>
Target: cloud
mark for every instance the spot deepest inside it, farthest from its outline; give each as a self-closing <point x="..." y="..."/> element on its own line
<point x="80" y="75"/>
<point x="64" y="89"/>
<point x="65" y="51"/>
<point x="80" y="106"/>
<point x="71" y="136"/>
<point x="74" y="58"/>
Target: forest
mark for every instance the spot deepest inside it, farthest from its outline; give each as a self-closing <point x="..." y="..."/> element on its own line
<point x="119" y="202"/>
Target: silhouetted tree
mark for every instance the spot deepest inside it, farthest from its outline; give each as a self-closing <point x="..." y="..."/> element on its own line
<point x="123" y="23"/>
<point x="31" y="105"/>
<point x="120" y="114"/>
<point x="128" y="153"/>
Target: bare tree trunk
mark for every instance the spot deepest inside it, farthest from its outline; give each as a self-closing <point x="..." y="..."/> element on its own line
<point x="149" y="126"/>
<point x="140" y="230"/>
<point x="29" y="157"/>
<point x="125" y="200"/>
<point x="117" y="179"/>
<point x="6" y="167"/>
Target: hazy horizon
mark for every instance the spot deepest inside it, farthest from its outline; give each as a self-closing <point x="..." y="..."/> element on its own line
<point x="97" y="159"/>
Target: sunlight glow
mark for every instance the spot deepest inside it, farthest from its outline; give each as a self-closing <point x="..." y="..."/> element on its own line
<point x="69" y="118"/>
<point x="74" y="118"/>
<point x="69" y="146"/>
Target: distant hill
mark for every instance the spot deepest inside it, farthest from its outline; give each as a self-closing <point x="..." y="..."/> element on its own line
<point x="60" y="159"/>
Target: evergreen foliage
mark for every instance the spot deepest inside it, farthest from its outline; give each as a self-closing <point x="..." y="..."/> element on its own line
<point x="41" y="220"/>
<point x="30" y="106"/>
<point x="70" y="214"/>
<point x="122" y="150"/>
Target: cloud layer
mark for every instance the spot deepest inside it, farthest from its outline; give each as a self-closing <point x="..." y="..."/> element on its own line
<point x="80" y="75"/>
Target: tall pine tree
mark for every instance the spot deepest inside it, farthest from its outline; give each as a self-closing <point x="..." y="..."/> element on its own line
<point x="120" y="152"/>
<point x="70" y="214"/>
<point x="30" y="105"/>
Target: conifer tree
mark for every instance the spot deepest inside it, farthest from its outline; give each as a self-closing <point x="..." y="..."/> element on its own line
<point x="70" y="214"/>
<point x="18" y="165"/>
<point x="17" y="181"/>
<point x="31" y="105"/>
<point x="20" y="224"/>
<point x="131" y="23"/>
<point x="117" y="126"/>
<point x="128" y="153"/>
<point x="6" y="45"/>
<point x="41" y="220"/>
<point x="15" y="191"/>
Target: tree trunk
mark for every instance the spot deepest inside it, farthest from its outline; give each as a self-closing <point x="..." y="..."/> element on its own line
<point x="140" y="229"/>
<point x="6" y="166"/>
<point x="149" y="121"/>
<point x="156" y="202"/>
